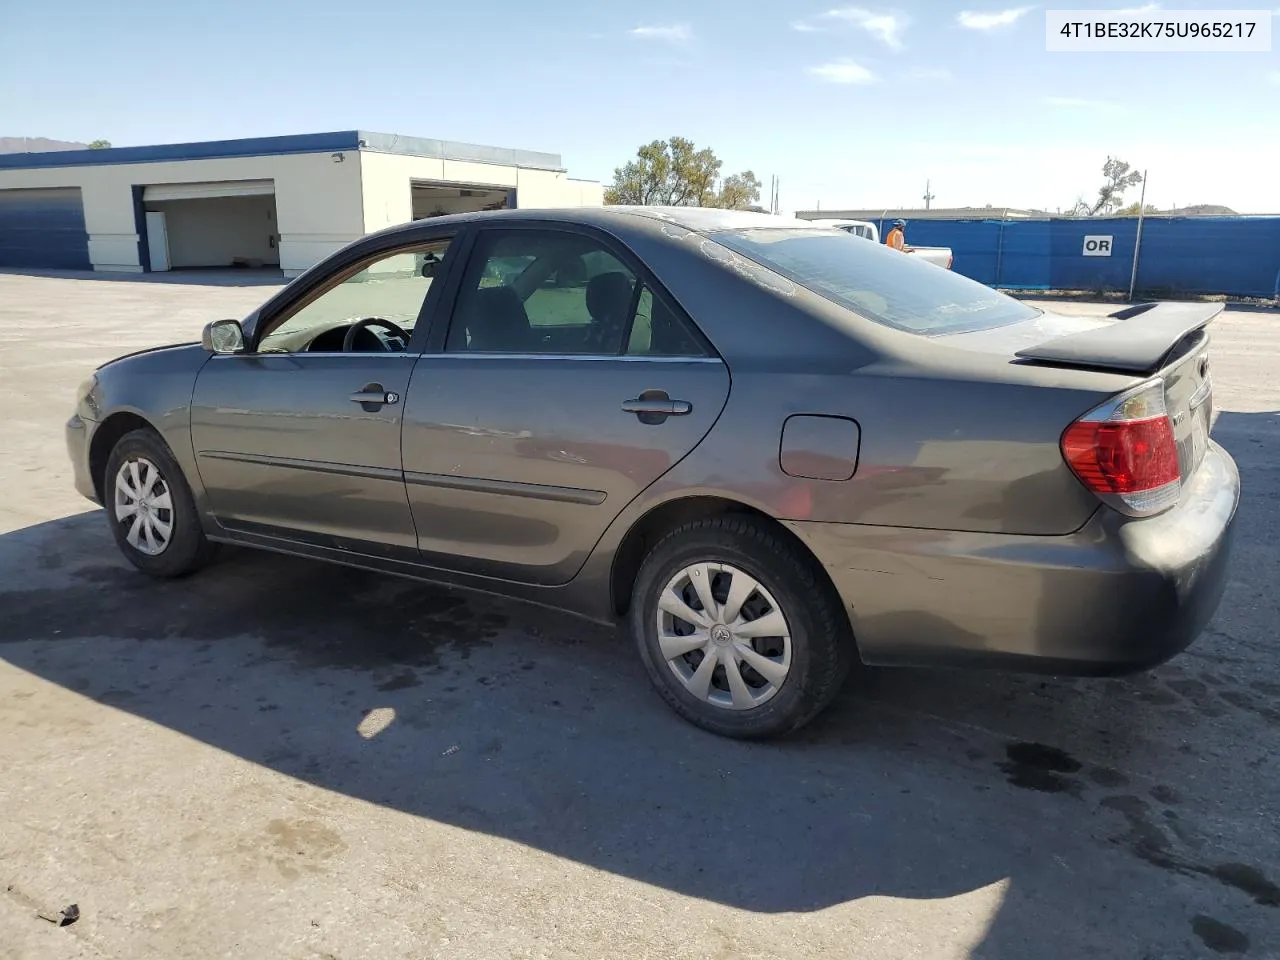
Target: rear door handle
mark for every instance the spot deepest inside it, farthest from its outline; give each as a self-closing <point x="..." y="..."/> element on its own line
<point x="654" y="406"/>
<point x="665" y="408"/>
<point x="374" y="395"/>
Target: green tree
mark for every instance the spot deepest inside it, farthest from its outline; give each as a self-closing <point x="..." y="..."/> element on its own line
<point x="99" y="144"/>
<point x="738" y="192"/>
<point x="1132" y="210"/>
<point x="1119" y="178"/>
<point x="677" y="173"/>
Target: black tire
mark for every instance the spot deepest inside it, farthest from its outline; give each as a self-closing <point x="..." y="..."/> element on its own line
<point x="822" y="646"/>
<point x="187" y="548"/>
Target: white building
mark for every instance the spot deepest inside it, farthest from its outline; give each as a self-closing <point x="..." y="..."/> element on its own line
<point x="265" y="202"/>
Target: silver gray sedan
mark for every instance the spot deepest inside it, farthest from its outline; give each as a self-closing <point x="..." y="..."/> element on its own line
<point x="774" y="450"/>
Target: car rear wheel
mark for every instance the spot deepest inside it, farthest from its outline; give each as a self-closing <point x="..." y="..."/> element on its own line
<point x="150" y="508"/>
<point x="739" y="630"/>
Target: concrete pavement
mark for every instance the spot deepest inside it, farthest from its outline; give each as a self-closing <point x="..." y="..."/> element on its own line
<point x="281" y="758"/>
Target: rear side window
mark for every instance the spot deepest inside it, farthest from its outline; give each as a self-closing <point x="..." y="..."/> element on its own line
<point x="875" y="282"/>
<point x="560" y="293"/>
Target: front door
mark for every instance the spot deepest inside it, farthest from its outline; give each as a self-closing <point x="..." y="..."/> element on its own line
<point x="300" y="438"/>
<point x="565" y="385"/>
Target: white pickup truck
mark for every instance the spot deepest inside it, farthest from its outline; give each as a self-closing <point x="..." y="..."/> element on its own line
<point x="940" y="256"/>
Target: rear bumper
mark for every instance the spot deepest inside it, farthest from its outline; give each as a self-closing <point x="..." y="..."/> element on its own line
<point x="1117" y="596"/>
<point x="78" y="431"/>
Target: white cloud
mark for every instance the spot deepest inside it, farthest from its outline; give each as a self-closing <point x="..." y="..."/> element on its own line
<point x="930" y="73"/>
<point x="885" y="27"/>
<point x="667" y="33"/>
<point x="1081" y="103"/>
<point x="990" y="21"/>
<point x="1274" y="76"/>
<point x="1137" y="11"/>
<point x="843" y="71"/>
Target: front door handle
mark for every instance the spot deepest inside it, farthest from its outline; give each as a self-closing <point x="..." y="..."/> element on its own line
<point x="654" y="406"/>
<point x="373" y="395"/>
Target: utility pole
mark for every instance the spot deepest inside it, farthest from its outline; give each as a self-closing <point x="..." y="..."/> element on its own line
<point x="1137" y="241"/>
<point x="928" y="197"/>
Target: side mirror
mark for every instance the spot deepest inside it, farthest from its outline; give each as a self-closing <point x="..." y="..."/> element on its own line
<point x="223" y="336"/>
<point x="429" y="264"/>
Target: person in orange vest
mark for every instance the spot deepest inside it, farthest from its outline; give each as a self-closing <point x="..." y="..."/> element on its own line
<point x="897" y="236"/>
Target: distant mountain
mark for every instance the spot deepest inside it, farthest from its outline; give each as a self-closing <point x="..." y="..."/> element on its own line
<point x="37" y="145"/>
<point x="1205" y="210"/>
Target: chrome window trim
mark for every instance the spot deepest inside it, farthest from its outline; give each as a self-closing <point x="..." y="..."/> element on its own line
<point x="465" y="355"/>
<point x="363" y="354"/>
<point x="477" y="355"/>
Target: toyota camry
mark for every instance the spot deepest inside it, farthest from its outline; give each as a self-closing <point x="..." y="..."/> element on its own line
<point x="770" y="448"/>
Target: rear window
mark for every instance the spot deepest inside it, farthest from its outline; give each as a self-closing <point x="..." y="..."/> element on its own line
<point x="876" y="282"/>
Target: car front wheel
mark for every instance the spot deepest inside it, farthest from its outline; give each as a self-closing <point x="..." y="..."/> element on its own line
<point x="738" y="628"/>
<point x="151" y="510"/>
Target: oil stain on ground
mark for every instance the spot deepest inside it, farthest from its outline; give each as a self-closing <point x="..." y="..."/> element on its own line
<point x="1249" y="880"/>
<point x="1149" y="842"/>
<point x="1218" y="936"/>
<point x="1035" y="766"/>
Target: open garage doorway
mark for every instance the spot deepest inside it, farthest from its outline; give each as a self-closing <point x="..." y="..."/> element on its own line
<point x="440" y="199"/>
<point x="228" y="225"/>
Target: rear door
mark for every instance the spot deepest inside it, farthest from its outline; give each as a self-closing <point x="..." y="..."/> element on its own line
<point x="565" y="383"/>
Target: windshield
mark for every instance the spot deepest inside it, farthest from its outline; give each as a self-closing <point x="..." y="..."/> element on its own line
<point x="875" y="282"/>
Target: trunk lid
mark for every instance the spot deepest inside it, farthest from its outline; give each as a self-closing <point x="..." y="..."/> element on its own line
<point x="1169" y="340"/>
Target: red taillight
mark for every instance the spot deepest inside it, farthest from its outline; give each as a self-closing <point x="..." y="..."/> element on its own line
<point x="1126" y="450"/>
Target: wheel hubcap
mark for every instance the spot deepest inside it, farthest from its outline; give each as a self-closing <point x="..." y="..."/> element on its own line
<point x="724" y="636"/>
<point x="144" y="506"/>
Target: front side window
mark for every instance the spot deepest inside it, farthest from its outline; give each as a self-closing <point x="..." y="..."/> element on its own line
<point x="384" y="297"/>
<point x="875" y="282"/>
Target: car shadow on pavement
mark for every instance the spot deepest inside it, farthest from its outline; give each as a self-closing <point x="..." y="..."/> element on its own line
<point x="1086" y="802"/>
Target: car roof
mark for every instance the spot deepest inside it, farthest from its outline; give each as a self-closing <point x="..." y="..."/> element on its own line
<point x="696" y="219"/>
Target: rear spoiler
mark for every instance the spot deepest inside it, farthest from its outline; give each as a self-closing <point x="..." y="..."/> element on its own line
<point x="1144" y="335"/>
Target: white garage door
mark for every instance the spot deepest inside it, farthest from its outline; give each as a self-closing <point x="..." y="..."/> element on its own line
<point x="213" y="188"/>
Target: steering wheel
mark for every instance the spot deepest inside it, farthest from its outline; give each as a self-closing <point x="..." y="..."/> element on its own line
<point x="349" y="340"/>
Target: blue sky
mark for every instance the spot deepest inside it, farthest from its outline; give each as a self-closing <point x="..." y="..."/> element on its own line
<point x="850" y="105"/>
